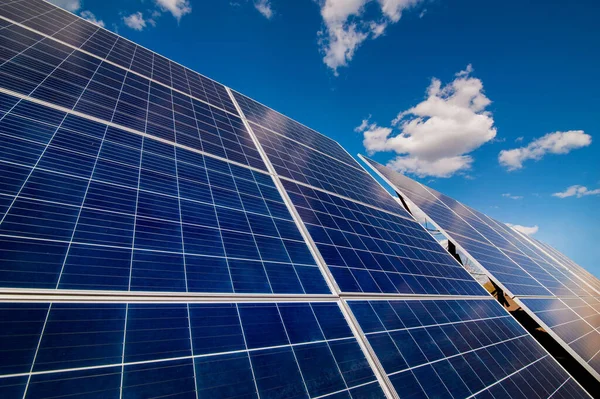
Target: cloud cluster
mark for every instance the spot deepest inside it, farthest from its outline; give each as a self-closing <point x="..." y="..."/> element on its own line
<point x="178" y="8"/>
<point x="92" y="18"/>
<point x="435" y="136"/>
<point x="264" y="7"/>
<point x="346" y="28"/>
<point x="528" y="231"/>
<point x="577" y="191"/>
<point x="135" y="21"/>
<point x="552" y="143"/>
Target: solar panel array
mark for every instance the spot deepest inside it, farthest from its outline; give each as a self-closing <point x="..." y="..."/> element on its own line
<point x="164" y="236"/>
<point x="559" y="294"/>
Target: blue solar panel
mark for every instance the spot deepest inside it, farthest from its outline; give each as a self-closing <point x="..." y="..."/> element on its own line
<point x="517" y="263"/>
<point x="153" y="350"/>
<point x="369" y="250"/>
<point x="134" y="195"/>
<point x="458" y="349"/>
<point x="115" y="211"/>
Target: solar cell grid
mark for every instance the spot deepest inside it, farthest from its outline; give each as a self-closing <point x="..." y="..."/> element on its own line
<point x="102" y="43"/>
<point x="368" y="250"/>
<point x="459" y="348"/>
<point x="126" y="212"/>
<point x="74" y="80"/>
<point x="150" y="350"/>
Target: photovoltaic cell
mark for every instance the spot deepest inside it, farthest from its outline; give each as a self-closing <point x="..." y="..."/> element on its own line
<point x="291" y="350"/>
<point x="507" y="255"/>
<point x="458" y="348"/>
<point x="115" y="211"/>
<point x="369" y="250"/>
<point x="59" y="24"/>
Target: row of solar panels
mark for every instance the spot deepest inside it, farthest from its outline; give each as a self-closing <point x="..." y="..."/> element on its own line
<point x="124" y="172"/>
<point x="523" y="266"/>
<point x="427" y="348"/>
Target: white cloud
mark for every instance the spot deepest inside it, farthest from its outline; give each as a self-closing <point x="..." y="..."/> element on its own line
<point x="513" y="197"/>
<point x="519" y="139"/>
<point x="577" y="191"/>
<point x="264" y="7"/>
<point x="552" y="143"/>
<point x="435" y="136"/>
<point x="88" y="15"/>
<point x="69" y="5"/>
<point x="178" y="8"/>
<point x="524" y="229"/>
<point x="135" y="21"/>
<point x="346" y="29"/>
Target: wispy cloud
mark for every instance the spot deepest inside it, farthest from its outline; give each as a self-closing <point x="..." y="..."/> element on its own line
<point x="513" y="197"/>
<point x="552" y="143"/>
<point x="135" y="21"/>
<point x="264" y="7"/>
<point x="435" y="136"/>
<point x="346" y="26"/>
<point x="577" y="191"/>
<point x="178" y="8"/>
<point x="524" y="229"/>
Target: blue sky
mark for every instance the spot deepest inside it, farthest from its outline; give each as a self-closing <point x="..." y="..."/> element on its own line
<point x="469" y="79"/>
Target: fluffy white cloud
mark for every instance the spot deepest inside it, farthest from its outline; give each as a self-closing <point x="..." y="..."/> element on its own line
<point x="135" y="21"/>
<point x="435" y="136"/>
<point x="92" y="18"/>
<point x="69" y="5"/>
<point x="178" y="8"/>
<point x="264" y="7"/>
<point x="513" y="197"/>
<point x="524" y="229"/>
<point x="552" y="143"/>
<point x="577" y="191"/>
<point x="346" y="28"/>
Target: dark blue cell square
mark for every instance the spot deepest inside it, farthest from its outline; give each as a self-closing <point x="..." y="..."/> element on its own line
<point x="300" y="323"/>
<point x="200" y="240"/>
<point x="431" y="383"/>
<point x="368" y="391"/>
<point x="319" y="369"/>
<point x="366" y="316"/>
<point x="225" y="376"/>
<point x="30" y="263"/>
<point x="231" y="219"/>
<point x="387" y="315"/>
<point x="81" y="335"/>
<point x="283" y="279"/>
<point x="13" y="176"/>
<point x="262" y="325"/>
<point x="111" y="198"/>
<point x="157" y="332"/>
<point x="298" y="252"/>
<point x="312" y="280"/>
<point x="344" y="279"/>
<point x="451" y="379"/>
<point x="426" y="343"/>
<point x="20" y="328"/>
<point x="161" y="379"/>
<point x="13" y="387"/>
<point x="407" y="383"/>
<point x="215" y="328"/>
<point x="157" y="235"/>
<point x="94" y="383"/>
<point x="385" y="349"/>
<point x="157" y="271"/>
<point x="96" y="268"/>
<point x="408" y="348"/>
<point x="277" y="374"/>
<point x="352" y="362"/>
<point x="199" y="214"/>
<point x="240" y="245"/>
<point x="249" y="276"/>
<point x="207" y="274"/>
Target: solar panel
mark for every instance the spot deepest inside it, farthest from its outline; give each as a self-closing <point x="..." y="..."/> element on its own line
<point x="164" y="236"/>
<point x="458" y="348"/>
<point x="517" y="264"/>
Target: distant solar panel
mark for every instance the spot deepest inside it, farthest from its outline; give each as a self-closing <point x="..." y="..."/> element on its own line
<point x="459" y="349"/>
<point x="515" y="263"/>
<point x="163" y="236"/>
